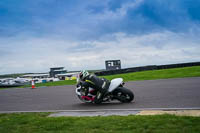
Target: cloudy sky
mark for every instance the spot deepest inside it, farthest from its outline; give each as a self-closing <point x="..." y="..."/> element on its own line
<point x="81" y="34"/>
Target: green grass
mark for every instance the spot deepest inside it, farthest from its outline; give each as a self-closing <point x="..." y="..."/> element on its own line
<point x="56" y="83"/>
<point x="159" y="74"/>
<point x="40" y="123"/>
<point x="144" y="75"/>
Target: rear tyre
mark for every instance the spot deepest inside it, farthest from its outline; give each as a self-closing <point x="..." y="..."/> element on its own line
<point x="123" y="94"/>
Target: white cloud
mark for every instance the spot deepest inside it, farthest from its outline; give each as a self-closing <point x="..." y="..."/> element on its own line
<point x="39" y="54"/>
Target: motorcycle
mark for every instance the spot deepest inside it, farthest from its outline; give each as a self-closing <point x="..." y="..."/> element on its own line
<point x="116" y="91"/>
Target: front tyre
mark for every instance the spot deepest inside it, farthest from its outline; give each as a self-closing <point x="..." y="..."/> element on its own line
<point x="83" y="100"/>
<point x="123" y="94"/>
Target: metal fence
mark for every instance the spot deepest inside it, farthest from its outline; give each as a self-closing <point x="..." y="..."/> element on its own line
<point x="145" y="68"/>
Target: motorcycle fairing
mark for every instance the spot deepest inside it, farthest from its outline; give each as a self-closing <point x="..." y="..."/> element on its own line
<point x="114" y="84"/>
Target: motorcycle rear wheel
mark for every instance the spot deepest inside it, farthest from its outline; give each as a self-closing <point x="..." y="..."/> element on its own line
<point x="123" y="94"/>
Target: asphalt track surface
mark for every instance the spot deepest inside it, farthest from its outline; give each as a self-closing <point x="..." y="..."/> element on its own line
<point x="165" y="93"/>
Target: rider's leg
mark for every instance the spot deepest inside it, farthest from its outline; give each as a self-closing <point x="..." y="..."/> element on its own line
<point x="101" y="93"/>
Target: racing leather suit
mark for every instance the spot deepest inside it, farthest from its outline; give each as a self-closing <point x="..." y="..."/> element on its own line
<point x="100" y="85"/>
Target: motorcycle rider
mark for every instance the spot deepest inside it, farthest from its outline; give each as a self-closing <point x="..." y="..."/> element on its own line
<point x="100" y="85"/>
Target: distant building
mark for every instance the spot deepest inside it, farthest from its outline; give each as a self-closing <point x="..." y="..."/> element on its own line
<point x="35" y="75"/>
<point x="57" y="70"/>
<point x="70" y="75"/>
<point x="113" y="64"/>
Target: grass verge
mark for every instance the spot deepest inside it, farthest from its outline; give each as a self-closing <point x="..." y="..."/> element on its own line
<point x="145" y="75"/>
<point x="159" y="74"/>
<point x="40" y="123"/>
<point x="56" y="83"/>
<point x="134" y="76"/>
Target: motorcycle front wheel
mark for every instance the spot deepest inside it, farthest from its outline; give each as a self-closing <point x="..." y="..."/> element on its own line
<point x="83" y="100"/>
<point x="123" y="94"/>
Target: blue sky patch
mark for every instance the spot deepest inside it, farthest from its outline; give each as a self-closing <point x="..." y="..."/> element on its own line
<point x="94" y="29"/>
